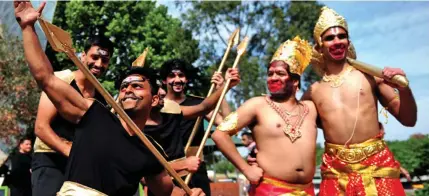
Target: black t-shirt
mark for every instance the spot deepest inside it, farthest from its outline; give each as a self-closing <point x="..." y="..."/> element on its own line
<point x="64" y="129"/>
<point x="188" y="124"/>
<point x="20" y="176"/>
<point x="105" y="157"/>
<point x="168" y="135"/>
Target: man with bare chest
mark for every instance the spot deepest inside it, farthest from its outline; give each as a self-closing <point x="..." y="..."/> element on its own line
<point x="356" y="159"/>
<point x="284" y="128"/>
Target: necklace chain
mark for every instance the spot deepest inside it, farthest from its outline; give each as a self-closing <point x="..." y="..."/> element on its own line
<point x="291" y="130"/>
<point x="338" y="80"/>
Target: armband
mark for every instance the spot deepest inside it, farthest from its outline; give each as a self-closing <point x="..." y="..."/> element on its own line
<point x="229" y="124"/>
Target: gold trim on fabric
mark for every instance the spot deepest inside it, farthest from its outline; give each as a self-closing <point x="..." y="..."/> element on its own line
<point x="367" y="172"/>
<point x="229" y="124"/>
<point x="356" y="152"/>
<point x="75" y="189"/>
<point x="298" y="189"/>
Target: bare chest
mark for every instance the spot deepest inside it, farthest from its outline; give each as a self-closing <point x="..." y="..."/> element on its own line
<point x="274" y="125"/>
<point x="356" y="89"/>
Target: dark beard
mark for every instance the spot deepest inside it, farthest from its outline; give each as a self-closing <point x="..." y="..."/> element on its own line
<point x="286" y="94"/>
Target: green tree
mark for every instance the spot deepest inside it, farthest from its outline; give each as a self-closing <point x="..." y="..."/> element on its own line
<point x="413" y="154"/>
<point x="19" y="93"/>
<point x="267" y="24"/>
<point x="424" y="191"/>
<point x="319" y="153"/>
<point x="132" y="26"/>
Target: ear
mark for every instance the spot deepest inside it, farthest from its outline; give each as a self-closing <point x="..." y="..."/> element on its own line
<point x="296" y="84"/>
<point x="164" y="81"/>
<point x="155" y="100"/>
<point x="83" y="56"/>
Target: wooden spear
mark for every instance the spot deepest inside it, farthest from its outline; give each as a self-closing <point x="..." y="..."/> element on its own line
<point x="241" y="49"/>
<point x="232" y="41"/>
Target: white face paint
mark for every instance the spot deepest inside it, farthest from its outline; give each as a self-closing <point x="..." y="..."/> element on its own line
<point x="103" y="52"/>
<point x="132" y="78"/>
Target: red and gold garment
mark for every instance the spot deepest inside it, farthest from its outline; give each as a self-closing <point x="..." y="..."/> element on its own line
<point x="274" y="187"/>
<point x="368" y="169"/>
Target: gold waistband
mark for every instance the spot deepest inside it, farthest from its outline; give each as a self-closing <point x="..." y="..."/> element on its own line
<point x="75" y="189"/>
<point x="355" y="153"/>
<point x="283" y="184"/>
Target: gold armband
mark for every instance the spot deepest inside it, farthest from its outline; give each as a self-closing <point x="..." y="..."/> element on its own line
<point x="229" y="124"/>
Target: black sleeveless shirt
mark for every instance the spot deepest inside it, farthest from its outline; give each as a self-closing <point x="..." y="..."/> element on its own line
<point x="105" y="157"/>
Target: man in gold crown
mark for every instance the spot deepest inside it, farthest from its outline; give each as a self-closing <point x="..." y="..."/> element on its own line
<point x="356" y="159"/>
<point x="283" y="127"/>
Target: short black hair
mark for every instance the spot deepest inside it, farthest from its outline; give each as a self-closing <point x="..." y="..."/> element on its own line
<point x="173" y="64"/>
<point x="149" y="73"/>
<point x="100" y="41"/>
<point x="248" y="134"/>
<point x="22" y="140"/>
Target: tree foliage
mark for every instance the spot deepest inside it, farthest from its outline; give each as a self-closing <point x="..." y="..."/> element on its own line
<point x="413" y="154"/>
<point x="132" y="26"/>
<point x="267" y="24"/>
<point x="19" y="93"/>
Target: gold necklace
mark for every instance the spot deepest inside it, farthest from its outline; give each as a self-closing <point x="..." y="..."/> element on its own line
<point x="338" y="80"/>
<point x="291" y="130"/>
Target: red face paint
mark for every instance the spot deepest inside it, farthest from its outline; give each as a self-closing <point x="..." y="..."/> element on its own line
<point x="275" y="86"/>
<point x="337" y="51"/>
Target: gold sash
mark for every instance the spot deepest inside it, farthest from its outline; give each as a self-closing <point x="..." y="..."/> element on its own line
<point x="75" y="189"/>
<point x="298" y="189"/>
<point x="355" y="153"/>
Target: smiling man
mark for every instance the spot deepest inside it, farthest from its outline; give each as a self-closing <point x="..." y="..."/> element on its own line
<point x="284" y="129"/>
<point x="106" y="157"/>
<point x="356" y="159"/>
<point x="55" y="134"/>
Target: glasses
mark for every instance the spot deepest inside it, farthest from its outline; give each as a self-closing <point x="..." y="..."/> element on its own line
<point x="332" y="37"/>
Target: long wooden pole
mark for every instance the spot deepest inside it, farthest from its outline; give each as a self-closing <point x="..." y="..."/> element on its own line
<point x="232" y="41"/>
<point x="224" y="90"/>
<point x="70" y="53"/>
<point x="375" y="71"/>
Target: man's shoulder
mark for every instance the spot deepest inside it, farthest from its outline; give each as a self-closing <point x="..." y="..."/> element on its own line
<point x="66" y="75"/>
<point x="171" y="107"/>
<point x="255" y="101"/>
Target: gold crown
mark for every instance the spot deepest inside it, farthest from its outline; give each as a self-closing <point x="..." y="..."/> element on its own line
<point x="328" y="18"/>
<point x="295" y="53"/>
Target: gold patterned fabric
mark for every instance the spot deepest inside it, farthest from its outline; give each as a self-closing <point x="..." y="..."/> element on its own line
<point x="75" y="189"/>
<point x="229" y="124"/>
<point x="273" y="186"/>
<point x="295" y="53"/>
<point x="360" y="169"/>
<point x="355" y="152"/>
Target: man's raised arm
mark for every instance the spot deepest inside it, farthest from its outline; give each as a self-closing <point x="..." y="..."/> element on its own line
<point x="68" y="101"/>
<point x="210" y="102"/>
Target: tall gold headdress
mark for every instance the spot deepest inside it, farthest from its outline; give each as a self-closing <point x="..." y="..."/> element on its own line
<point x="328" y="18"/>
<point x="296" y="53"/>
